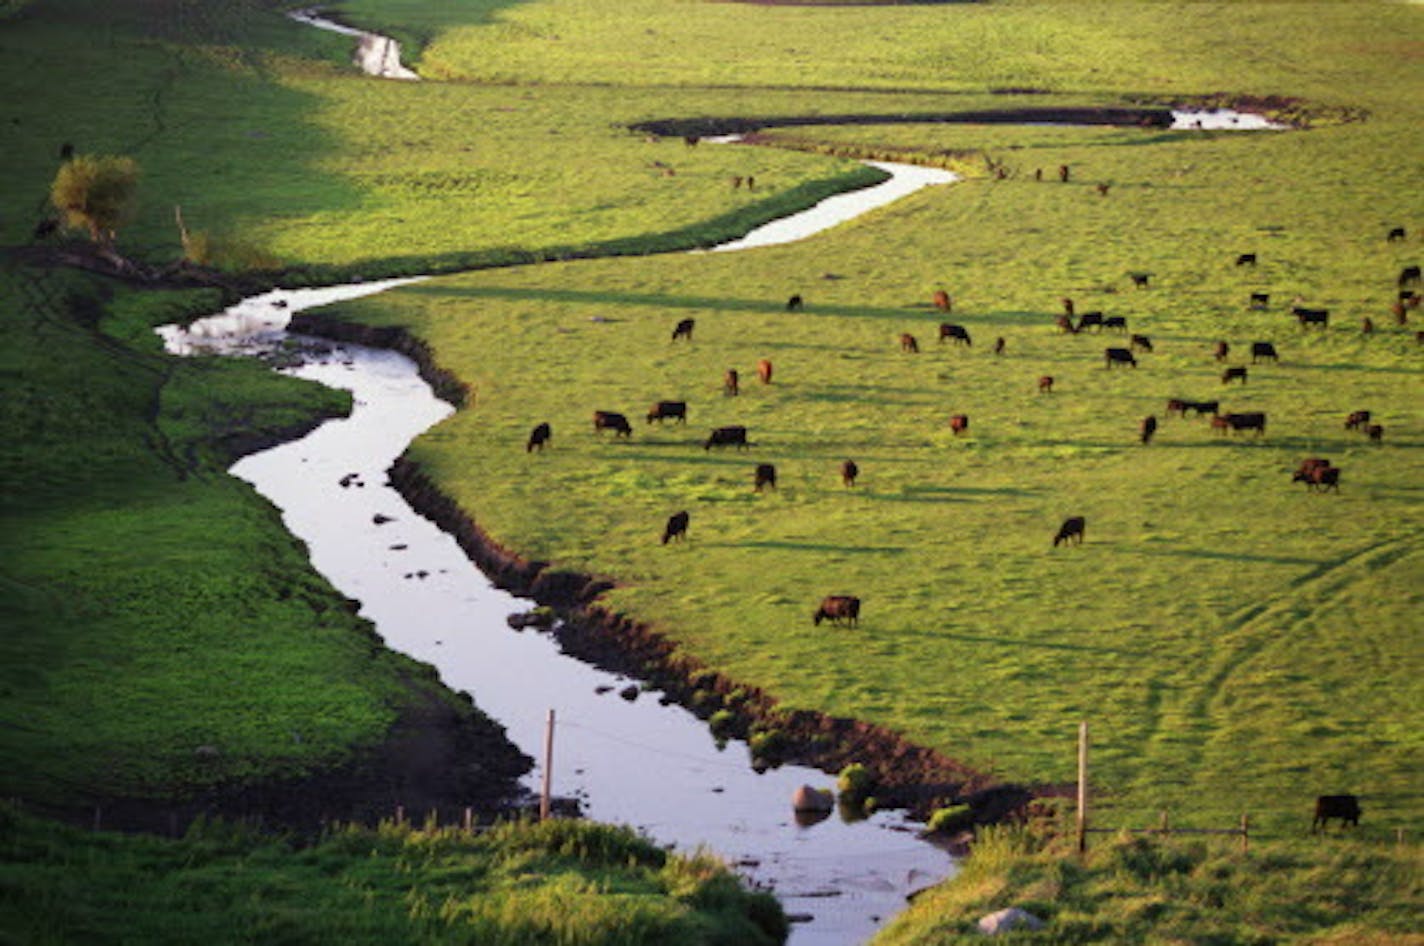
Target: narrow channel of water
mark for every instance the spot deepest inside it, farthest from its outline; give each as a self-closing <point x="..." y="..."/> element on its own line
<point x="633" y="762"/>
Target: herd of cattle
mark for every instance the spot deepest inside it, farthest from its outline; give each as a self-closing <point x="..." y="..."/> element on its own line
<point x="1318" y="474"/>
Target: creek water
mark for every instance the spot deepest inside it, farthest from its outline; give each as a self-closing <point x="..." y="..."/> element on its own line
<point x="628" y="761"/>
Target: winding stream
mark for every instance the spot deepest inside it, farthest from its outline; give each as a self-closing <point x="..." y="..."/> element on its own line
<point x="633" y="762"/>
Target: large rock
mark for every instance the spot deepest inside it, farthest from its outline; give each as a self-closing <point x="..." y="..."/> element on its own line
<point x="815" y="800"/>
<point x="1006" y="920"/>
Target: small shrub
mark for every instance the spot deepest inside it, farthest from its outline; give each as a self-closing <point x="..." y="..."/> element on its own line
<point x="721" y="722"/>
<point x="855" y="783"/>
<point x="952" y="818"/>
<point x="768" y="744"/>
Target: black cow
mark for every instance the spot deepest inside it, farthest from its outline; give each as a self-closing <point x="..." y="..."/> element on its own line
<point x="1357" y="420"/>
<point x="1233" y="374"/>
<point x="1260" y="300"/>
<point x="538" y="437"/>
<point x="1071" y="532"/>
<point x="1396" y="233"/>
<point x="725" y="436"/>
<point x="999" y="345"/>
<point x="794" y="304"/>
<point x="1246" y="259"/>
<point x="765" y="476"/>
<point x="683" y="329"/>
<point x="1254" y="420"/>
<point x="838" y="609"/>
<point x="1261" y="350"/>
<point x="1118" y="356"/>
<point x="959" y="423"/>
<point x="611" y="420"/>
<point x="849" y="471"/>
<point x="1344" y="807"/>
<point x="66" y="151"/>
<point x="1115" y="322"/>
<point x="957" y="332"/>
<point x="1140" y="342"/>
<point x="1140" y="279"/>
<point x="663" y="410"/>
<point x="1375" y="432"/>
<point x="1309" y="317"/>
<point x="1408" y="276"/>
<point x="908" y="343"/>
<point x="1095" y="319"/>
<point x="1147" y="428"/>
<point x="1222" y="350"/>
<point x="1320" y="478"/>
<point x="676" y="527"/>
<point x="45" y="229"/>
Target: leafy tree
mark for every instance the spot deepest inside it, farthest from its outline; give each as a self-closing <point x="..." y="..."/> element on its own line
<point x="96" y="193"/>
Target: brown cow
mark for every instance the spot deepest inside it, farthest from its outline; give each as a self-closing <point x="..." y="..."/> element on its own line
<point x="1357" y="420"/>
<point x="838" y="609"/>
<point x="959" y="423"/>
<point x="849" y="471"/>
<point x="676" y="527"/>
<point x="1318" y="477"/>
<point x="1222" y="350"/>
<point x="999" y="345"/>
<point x="538" y="437"/>
<point x="683" y="329"/>
<point x="764" y="371"/>
<point x="1063" y="173"/>
<point x="1045" y="384"/>
<point x="1071" y="532"/>
<point x="611" y="420"/>
<point x="1375" y="432"/>
<point x="662" y="410"/>
<point x="942" y="300"/>
<point x="1176" y="406"/>
<point x="1065" y="324"/>
<point x="731" y="383"/>
<point x="1367" y="325"/>
<point x="1233" y="374"/>
<point x="1147" y="428"/>
<point x="957" y="332"/>
<point x="765" y="476"/>
<point x="1067" y="306"/>
<point x="1400" y="313"/>
<point x="908" y="343"/>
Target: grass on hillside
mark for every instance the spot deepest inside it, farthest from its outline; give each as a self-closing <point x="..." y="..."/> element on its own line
<point x="559" y="881"/>
<point x="1134" y="890"/>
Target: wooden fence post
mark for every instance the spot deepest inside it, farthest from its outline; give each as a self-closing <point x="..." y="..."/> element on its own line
<point x="1082" y="787"/>
<point x="548" y="767"/>
<point x="1165" y="828"/>
<point x="1245" y="831"/>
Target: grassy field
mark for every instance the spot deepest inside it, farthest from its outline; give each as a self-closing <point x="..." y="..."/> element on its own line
<point x="1237" y="643"/>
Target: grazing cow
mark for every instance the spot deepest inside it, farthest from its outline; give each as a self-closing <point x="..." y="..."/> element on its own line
<point x="1260" y="300"/>
<point x="1203" y="407"/>
<point x="1246" y="259"/>
<point x="765" y="476"/>
<point x="1261" y="350"/>
<point x="1233" y="374"/>
<point x="1140" y="342"/>
<point x="610" y="420"/>
<point x="1115" y="322"/>
<point x="1177" y="406"/>
<point x="1321" y="479"/>
<point x="1357" y="420"/>
<point x="1395" y="234"/>
<point x="1065" y="324"/>
<point x="66" y="151"/>
<point x="1118" y="356"/>
<point x="1103" y="189"/>
<point x="1045" y="384"/>
<point x="1063" y="173"/>
<point x="1095" y="319"/>
<point x="908" y="343"/>
<point x="538" y="437"/>
<point x="838" y="609"/>
<point x="1140" y="279"/>
<point x="727" y="436"/>
<point x="45" y="229"/>
<point x="1222" y="350"/>
<point x="1375" y="432"/>
<point x="1067" y="306"/>
<point x="1309" y="317"/>
<point x="676" y="527"/>
<point x="794" y="304"/>
<point x="764" y="371"/>
<point x="1071" y="532"/>
<point x="1367" y="325"/>
<point x="957" y="332"/>
<point x="663" y="410"/>
<point x="999" y="345"/>
<point x="1408" y="276"/>
<point x="731" y="383"/>
<point x="1251" y="421"/>
<point x="1400" y="313"/>
<point x="1147" y="428"/>
<point x="1220" y="424"/>
<point x="1344" y="807"/>
<point x="849" y="471"/>
<point x="683" y="329"/>
<point x="942" y="300"/>
<point x="959" y="423"/>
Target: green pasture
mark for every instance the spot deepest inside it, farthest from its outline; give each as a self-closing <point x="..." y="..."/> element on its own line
<point x="560" y="881"/>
